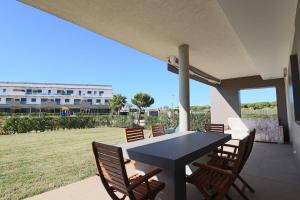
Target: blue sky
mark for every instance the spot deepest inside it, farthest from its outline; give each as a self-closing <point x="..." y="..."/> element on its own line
<point x="38" y="47"/>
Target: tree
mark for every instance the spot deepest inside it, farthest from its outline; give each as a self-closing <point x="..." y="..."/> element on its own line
<point x="142" y="100"/>
<point x="117" y="103"/>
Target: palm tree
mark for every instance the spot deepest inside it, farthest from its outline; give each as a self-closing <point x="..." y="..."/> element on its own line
<point x="117" y="103"/>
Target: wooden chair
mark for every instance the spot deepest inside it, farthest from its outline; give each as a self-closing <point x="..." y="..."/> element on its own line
<point x="214" y="128"/>
<point x="158" y="130"/>
<point x="216" y="181"/>
<point x="134" y="134"/>
<point x="247" y="155"/>
<point x="110" y="164"/>
<point x="223" y="159"/>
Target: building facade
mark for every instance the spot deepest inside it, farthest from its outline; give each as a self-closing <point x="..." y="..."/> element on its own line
<point x="52" y="97"/>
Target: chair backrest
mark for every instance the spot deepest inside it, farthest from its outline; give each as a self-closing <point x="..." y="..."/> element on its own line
<point x="249" y="146"/>
<point x="239" y="161"/>
<point x="134" y="134"/>
<point x="157" y="130"/>
<point x="111" y="168"/>
<point x="216" y="128"/>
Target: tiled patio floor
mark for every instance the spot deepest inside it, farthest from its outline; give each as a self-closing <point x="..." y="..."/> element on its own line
<point x="270" y="170"/>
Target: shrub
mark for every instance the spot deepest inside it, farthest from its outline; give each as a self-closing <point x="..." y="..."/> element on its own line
<point x="170" y="119"/>
<point x="123" y="121"/>
<point x="24" y="124"/>
<point x="197" y="121"/>
<point x="151" y="120"/>
<point x="19" y="124"/>
<point x="104" y="120"/>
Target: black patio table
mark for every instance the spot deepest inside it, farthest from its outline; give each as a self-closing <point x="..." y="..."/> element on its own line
<point x="172" y="153"/>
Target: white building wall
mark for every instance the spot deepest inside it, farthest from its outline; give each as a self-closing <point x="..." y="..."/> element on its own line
<point x="17" y="91"/>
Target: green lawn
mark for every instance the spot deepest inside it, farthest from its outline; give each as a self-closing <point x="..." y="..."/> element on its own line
<point x="33" y="163"/>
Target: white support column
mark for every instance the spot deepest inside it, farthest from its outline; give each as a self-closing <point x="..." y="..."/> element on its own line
<point x="184" y="88"/>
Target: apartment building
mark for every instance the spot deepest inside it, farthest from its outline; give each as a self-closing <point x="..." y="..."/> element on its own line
<point x="32" y="97"/>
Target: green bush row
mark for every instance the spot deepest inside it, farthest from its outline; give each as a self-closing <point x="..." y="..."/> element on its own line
<point x="115" y="121"/>
<point x="41" y="124"/>
<point x="170" y="119"/>
<point x="198" y="121"/>
<point x="259" y="105"/>
<point x="25" y="124"/>
<point x="18" y="124"/>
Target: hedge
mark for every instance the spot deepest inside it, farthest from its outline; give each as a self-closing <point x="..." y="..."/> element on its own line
<point x="25" y="124"/>
<point x="19" y="124"/>
<point x="170" y="119"/>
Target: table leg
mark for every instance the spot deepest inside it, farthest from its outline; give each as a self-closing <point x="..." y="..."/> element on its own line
<point x="175" y="184"/>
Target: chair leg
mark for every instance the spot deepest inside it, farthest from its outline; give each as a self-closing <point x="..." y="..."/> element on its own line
<point x="228" y="197"/>
<point x="240" y="192"/>
<point x="246" y="184"/>
<point x="221" y="195"/>
<point x="152" y="197"/>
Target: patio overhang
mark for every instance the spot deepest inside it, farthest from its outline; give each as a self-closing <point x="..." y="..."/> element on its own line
<point x="220" y="34"/>
<point x="197" y="75"/>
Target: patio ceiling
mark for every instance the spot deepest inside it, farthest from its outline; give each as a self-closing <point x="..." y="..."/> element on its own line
<point x="227" y="38"/>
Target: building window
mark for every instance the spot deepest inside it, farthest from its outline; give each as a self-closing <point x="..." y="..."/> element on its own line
<point x="57" y="101"/>
<point x="33" y="99"/>
<point x="69" y="92"/>
<point x="98" y="100"/>
<point x="37" y="91"/>
<point x="79" y="92"/>
<point x="89" y="92"/>
<point x="49" y="91"/>
<point x="9" y="100"/>
<point x="90" y="101"/>
<point x="77" y="101"/>
<point x="18" y="90"/>
<point x="106" y="101"/>
<point x="23" y="100"/>
<point x="61" y="92"/>
<point x="29" y="91"/>
<point x="101" y="93"/>
<point x="67" y="100"/>
<point x="44" y="101"/>
<point x="4" y="90"/>
<point x="95" y="92"/>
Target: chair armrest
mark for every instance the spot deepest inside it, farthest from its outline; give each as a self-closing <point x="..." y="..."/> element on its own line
<point x="127" y="161"/>
<point x="209" y="167"/>
<point x="225" y="152"/>
<point x="144" y="178"/>
<point x="235" y="148"/>
<point x="230" y="145"/>
<point x="221" y="157"/>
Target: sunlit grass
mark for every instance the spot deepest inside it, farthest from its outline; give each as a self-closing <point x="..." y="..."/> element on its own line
<point x="37" y="162"/>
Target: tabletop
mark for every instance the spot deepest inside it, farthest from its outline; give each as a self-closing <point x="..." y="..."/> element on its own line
<point x="177" y="150"/>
